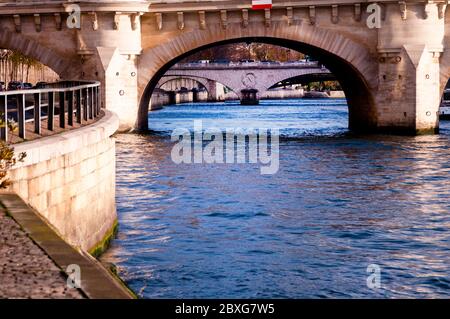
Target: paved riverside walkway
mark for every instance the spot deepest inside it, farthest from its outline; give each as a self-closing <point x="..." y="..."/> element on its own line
<point x="33" y="257"/>
<point x="25" y="269"/>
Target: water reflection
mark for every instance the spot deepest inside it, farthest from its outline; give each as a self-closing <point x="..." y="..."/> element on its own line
<point x="338" y="203"/>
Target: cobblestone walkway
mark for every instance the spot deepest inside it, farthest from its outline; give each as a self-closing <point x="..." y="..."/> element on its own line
<point x="25" y="270"/>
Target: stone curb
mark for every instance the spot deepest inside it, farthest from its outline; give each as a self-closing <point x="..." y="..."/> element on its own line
<point x="96" y="281"/>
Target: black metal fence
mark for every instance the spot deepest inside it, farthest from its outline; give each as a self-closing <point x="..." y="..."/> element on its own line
<point x="68" y="101"/>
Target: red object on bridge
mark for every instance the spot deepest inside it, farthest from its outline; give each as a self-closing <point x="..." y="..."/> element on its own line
<point x="261" y="4"/>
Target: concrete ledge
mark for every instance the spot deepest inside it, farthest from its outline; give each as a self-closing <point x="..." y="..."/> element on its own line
<point x="46" y="148"/>
<point x="96" y="281"/>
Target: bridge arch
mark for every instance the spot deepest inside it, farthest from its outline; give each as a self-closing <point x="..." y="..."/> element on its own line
<point x="205" y="81"/>
<point x="232" y="78"/>
<point x="444" y="68"/>
<point x="64" y="67"/>
<point x="352" y="63"/>
<point x="167" y="79"/>
<point x="290" y="75"/>
<point x="305" y="78"/>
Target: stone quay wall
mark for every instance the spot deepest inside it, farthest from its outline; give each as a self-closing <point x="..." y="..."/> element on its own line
<point x="69" y="179"/>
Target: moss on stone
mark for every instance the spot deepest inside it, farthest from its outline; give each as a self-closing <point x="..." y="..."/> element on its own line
<point x="102" y="245"/>
<point x="113" y="271"/>
<point x="428" y="131"/>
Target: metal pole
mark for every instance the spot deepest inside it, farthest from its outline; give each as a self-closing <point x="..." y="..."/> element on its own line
<point x="21" y="114"/>
<point x="85" y="105"/>
<point x="94" y="97"/>
<point x="91" y="103"/>
<point x="70" y="108"/>
<point x="62" y="110"/>
<point x="4" y="112"/>
<point x="78" y="106"/>
<point x="37" y="113"/>
<point x="51" y="111"/>
<point x="99" y="106"/>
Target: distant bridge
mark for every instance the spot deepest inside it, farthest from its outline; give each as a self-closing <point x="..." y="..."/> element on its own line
<point x="238" y="76"/>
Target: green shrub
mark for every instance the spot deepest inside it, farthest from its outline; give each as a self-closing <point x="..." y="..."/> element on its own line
<point x="7" y="155"/>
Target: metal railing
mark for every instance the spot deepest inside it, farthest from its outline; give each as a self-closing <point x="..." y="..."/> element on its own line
<point x="69" y="102"/>
<point x="247" y="65"/>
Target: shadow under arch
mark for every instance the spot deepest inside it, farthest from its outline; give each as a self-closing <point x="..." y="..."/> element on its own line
<point x="303" y="79"/>
<point x="61" y="65"/>
<point x="362" y="113"/>
<point x="176" y="77"/>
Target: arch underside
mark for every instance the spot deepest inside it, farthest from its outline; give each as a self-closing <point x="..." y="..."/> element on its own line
<point x="445" y="67"/>
<point x="305" y="79"/>
<point x="350" y="62"/>
<point x="203" y="81"/>
<point x="64" y="67"/>
<point x="166" y="79"/>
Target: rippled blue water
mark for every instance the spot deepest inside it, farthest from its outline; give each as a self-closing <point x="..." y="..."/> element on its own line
<point x="338" y="203"/>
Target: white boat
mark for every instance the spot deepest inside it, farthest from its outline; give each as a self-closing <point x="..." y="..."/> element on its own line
<point x="444" y="110"/>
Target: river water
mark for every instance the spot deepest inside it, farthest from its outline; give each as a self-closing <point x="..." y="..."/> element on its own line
<point x="339" y="203"/>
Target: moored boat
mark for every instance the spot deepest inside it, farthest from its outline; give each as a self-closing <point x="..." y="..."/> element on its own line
<point x="444" y="110"/>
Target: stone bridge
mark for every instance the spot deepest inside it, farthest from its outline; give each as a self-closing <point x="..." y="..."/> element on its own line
<point x="393" y="75"/>
<point x="243" y="76"/>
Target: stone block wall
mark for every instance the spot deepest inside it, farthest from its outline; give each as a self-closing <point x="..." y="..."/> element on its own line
<point x="69" y="179"/>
